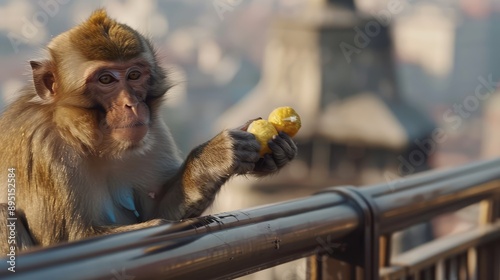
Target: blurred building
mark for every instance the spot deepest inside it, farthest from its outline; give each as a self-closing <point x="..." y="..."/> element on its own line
<point x="335" y="68"/>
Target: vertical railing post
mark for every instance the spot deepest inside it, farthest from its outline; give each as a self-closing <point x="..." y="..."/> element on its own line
<point x="359" y="256"/>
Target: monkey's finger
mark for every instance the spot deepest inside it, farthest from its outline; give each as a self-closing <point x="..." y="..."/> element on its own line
<point x="289" y="140"/>
<point x="279" y="155"/>
<point x="290" y="149"/>
<point x="245" y="126"/>
<point x="266" y="165"/>
<point x="282" y="148"/>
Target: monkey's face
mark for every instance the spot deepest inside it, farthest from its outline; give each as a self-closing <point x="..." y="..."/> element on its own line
<point x="119" y="90"/>
<point x="104" y="82"/>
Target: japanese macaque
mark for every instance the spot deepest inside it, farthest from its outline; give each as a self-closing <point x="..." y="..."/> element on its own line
<point x="84" y="151"/>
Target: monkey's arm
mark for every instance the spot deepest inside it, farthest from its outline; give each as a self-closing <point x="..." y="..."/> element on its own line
<point x="210" y="165"/>
<point x="205" y="170"/>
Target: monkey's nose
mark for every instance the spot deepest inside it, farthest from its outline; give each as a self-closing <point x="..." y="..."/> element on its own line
<point x="132" y="106"/>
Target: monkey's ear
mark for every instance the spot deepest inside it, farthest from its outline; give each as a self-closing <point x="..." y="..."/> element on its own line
<point x="43" y="78"/>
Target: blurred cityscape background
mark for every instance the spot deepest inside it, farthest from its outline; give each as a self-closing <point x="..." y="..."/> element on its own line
<point x="385" y="88"/>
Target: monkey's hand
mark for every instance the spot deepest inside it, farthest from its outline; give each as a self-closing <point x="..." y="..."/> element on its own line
<point x="245" y="151"/>
<point x="283" y="150"/>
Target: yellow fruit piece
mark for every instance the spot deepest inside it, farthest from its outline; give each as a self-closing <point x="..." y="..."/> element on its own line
<point x="285" y="119"/>
<point x="263" y="131"/>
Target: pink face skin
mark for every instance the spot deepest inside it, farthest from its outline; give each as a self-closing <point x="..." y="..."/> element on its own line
<point x="120" y="88"/>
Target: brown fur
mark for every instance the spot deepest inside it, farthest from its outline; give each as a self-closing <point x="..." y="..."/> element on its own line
<point x="74" y="179"/>
<point x="102" y="38"/>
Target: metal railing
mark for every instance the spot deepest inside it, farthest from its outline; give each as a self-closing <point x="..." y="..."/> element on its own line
<point x="345" y="232"/>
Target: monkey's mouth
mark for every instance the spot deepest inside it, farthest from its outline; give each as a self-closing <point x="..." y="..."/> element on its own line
<point x="133" y="132"/>
<point x="137" y="124"/>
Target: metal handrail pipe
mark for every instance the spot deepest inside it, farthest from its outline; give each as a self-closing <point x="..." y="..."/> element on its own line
<point x="415" y="199"/>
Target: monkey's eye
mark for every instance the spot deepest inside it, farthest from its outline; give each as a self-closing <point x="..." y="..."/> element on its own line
<point x="106" y="79"/>
<point x="134" y="75"/>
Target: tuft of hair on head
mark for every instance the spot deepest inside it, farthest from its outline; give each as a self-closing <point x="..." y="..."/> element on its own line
<point x="103" y="38"/>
